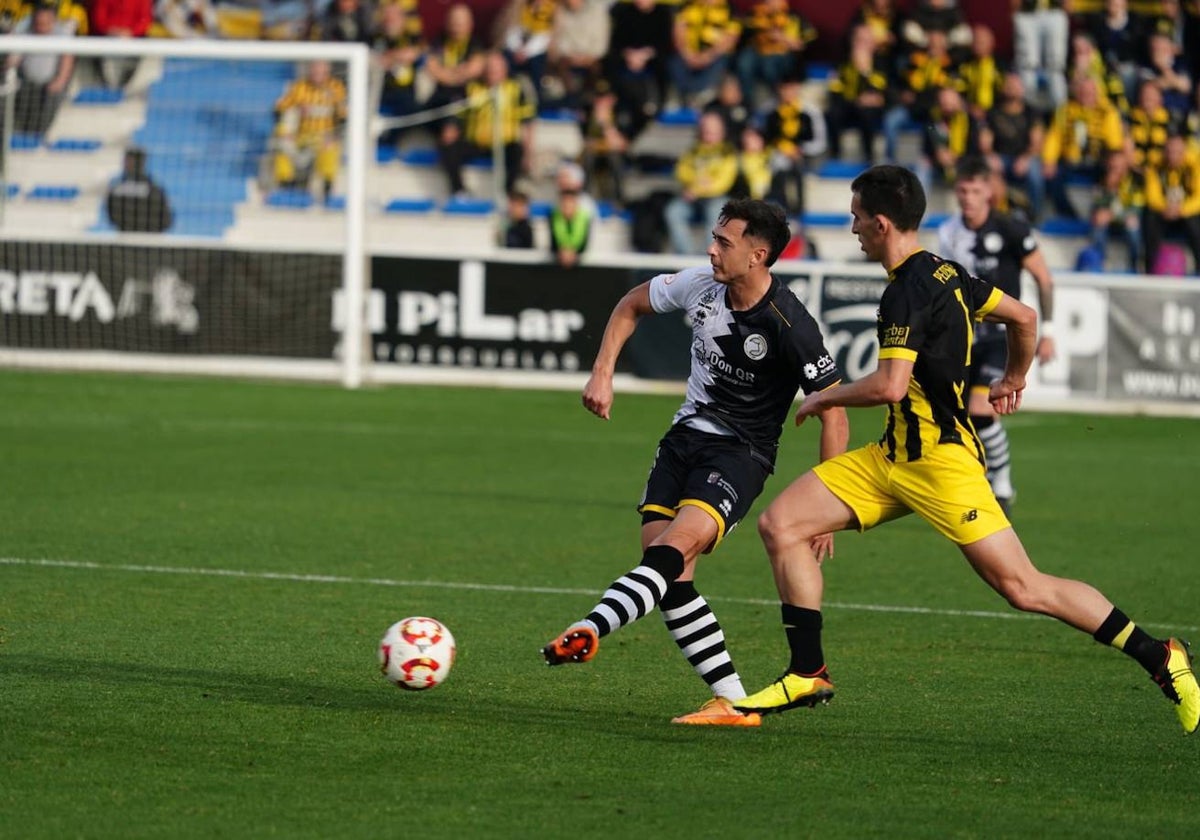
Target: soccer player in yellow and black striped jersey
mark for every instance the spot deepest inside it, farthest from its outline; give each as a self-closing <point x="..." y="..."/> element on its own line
<point x="929" y="460"/>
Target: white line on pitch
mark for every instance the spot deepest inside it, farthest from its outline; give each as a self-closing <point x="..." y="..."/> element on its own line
<point x="489" y="587"/>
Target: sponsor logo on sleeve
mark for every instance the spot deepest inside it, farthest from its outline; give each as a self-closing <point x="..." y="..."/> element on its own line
<point x="893" y="336"/>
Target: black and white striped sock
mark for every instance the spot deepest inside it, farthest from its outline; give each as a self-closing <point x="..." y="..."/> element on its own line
<point x="638" y="591"/>
<point x="995" y="449"/>
<point x="695" y="629"/>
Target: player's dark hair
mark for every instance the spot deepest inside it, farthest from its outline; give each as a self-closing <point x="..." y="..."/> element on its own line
<point x="763" y="220"/>
<point x="892" y="191"/>
<point x="970" y="167"/>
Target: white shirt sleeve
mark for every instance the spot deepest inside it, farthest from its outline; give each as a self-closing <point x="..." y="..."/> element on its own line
<point x="670" y="292"/>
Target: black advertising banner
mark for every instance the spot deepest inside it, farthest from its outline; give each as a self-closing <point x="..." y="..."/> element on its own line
<point x="479" y="314"/>
<point x="166" y="300"/>
<point x="1153" y="345"/>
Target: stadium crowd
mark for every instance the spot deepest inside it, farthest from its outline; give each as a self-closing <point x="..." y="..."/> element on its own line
<point x="1094" y="118"/>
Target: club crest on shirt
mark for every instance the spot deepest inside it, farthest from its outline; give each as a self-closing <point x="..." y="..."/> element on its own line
<point x="755" y="347"/>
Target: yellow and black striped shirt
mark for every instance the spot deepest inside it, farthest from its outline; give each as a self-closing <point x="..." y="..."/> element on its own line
<point x="763" y="22"/>
<point x="850" y="82"/>
<point x="706" y="24"/>
<point x="322" y="108"/>
<point x="926" y="315"/>
<point x="1148" y="131"/>
<point x="516" y="108"/>
<point x="981" y="79"/>
<point x="537" y="16"/>
<point x="1179" y="186"/>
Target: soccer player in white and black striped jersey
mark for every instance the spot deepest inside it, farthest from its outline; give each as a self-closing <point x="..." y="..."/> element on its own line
<point x="994" y="247"/>
<point x="754" y="346"/>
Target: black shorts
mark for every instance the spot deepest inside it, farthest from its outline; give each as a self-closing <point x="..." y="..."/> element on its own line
<point x="989" y="355"/>
<point x="720" y="475"/>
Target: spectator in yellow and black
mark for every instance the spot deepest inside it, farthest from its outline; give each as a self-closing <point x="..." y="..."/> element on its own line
<point x="928" y="70"/>
<point x="345" y="21"/>
<point x="1012" y="142"/>
<point x="788" y="129"/>
<point x="1173" y="201"/>
<point x="606" y="143"/>
<point x="950" y="134"/>
<point x="754" y="175"/>
<point x="882" y="21"/>
<point x="1170" y="72"/>
<point x="473" y="135"/>
<point x="310" y="115"/>
<point x="582" y="31"/>
<point x="570" y="224"/>
<point x="982" y="75"/>
<point x="929" y="16"/>
<point x="773" y="42"/>
<point x="1081" y="134"/>
<point x="1086" y="62"/>
<point x="1119" y="39"/>
<point x="526" y="38"/>
<point x="705" y="36"/>
<point x="705" y="174"/>
<point x="1147" y="126"/>
<point x="43" y="77"/>
<point x="16" y="16"/>
<point x="636" y="62"/>
<point x="399" y="51"/>
<point x="857" y="96"/>
<point x="1117" y="207"/>
<point x="453" y="61"/>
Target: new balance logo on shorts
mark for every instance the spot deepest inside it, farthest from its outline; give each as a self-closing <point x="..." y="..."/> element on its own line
<point x="970" y="516"/>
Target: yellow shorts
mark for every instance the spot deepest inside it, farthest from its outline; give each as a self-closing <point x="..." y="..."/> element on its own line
<point x="947" y="488"/>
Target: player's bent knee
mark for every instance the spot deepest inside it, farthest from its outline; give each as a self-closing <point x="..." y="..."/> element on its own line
<point x="777" y="532"/>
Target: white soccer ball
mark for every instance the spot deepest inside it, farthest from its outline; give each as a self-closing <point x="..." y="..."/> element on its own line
<point x="416" y="653"/>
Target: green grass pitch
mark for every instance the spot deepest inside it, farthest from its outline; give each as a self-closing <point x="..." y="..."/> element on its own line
<point x="194" y="575"/>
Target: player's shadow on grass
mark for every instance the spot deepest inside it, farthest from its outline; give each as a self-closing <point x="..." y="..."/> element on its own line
<point x="200" y="683"/>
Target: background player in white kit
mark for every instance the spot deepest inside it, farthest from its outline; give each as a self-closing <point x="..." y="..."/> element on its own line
<point x="754" y="345"/>
<point x="994" y="247"/>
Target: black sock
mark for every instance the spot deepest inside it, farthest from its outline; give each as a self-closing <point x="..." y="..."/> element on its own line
<point x="637" y="592"/>
<point x="1117" y="630"/>
<point x="803" y="629"/>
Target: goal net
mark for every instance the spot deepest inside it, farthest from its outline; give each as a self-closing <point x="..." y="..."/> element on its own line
<point x="144" y="186"/>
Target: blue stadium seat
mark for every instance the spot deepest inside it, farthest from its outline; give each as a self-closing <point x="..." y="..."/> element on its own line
<point x="410" y="205"/>
<point x="23" y="141"/>
<point x="840" y="169"/>
<point x="1065" y="227"/>
<point x="468" y="206"/>
<point x="289" y="198"/>
<point x="679" y="116"/>
<point x="386" y="153"/>
<point x="540" y="209"/>
<point x="841" y="220"/>
<point x="75" y="144"/>
<point x="11" y="190"/>
<point x="419" y="157"/>
<point x="98" y="96"/>
<point x="53" y="192"/>
<point x="934" y="219"/>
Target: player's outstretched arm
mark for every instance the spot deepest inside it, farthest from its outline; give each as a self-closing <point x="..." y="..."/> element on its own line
<point x="888" y="383"/>
<point x="598" y="392"/>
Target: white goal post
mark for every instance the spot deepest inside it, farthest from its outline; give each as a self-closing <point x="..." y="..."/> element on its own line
<point x="28" y="222"/>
